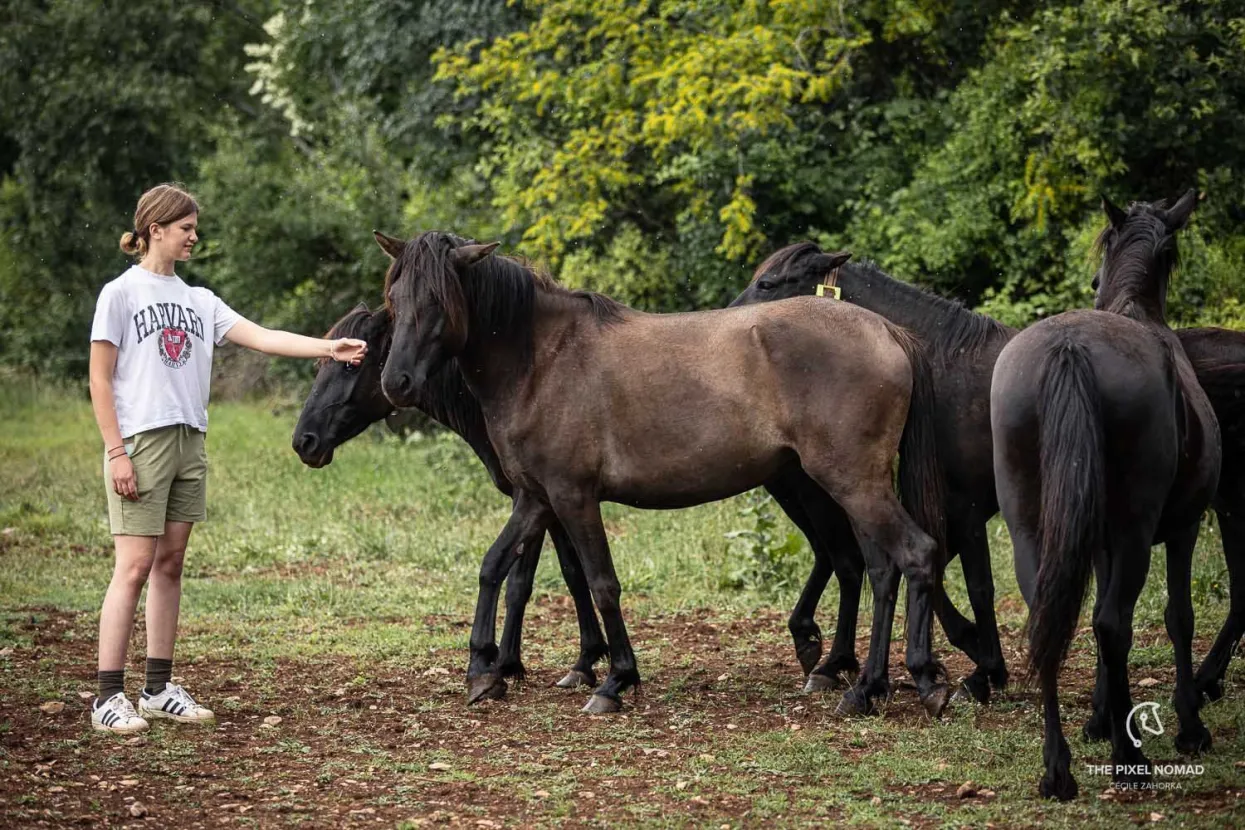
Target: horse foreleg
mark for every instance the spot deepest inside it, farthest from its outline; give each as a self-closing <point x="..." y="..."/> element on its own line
<point x="840" y="665"/>
<point x="1210" y="674"/>
<point x="805" y="633"/>
<point x="592" y="645"/>
<point x="518" y="592"/>
<point x="874" y="680"/>
<point x="526" y="526"/>
<point x="580" y="515"/>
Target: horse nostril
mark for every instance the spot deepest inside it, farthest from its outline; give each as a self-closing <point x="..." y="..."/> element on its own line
<point x="306" y="444"/>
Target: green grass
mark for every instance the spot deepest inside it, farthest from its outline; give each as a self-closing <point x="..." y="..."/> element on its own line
<point x="375" y="558"/>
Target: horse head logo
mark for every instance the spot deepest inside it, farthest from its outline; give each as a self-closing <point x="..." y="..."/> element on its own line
<point x="1145" y="713"/>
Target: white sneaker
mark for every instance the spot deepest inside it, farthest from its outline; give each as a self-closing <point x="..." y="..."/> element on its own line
<point x="116" y="714"/>
<point x="174" y="703"/>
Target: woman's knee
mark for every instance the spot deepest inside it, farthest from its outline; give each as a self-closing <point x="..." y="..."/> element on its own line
<point x="168" y="562"/>
<point x="132" y="571"/>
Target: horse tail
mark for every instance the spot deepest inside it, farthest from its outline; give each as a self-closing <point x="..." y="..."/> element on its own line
<point x="922" y="483"/>
<point x="1073" y="502"/>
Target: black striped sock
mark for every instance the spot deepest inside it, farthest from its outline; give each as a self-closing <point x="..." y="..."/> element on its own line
<point x="111" y="682"/>
<point x="159" y="672"/>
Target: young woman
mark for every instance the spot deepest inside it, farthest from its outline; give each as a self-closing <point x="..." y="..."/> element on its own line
<point x="151" y="361"/>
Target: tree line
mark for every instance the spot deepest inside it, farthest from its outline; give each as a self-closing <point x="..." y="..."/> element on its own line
<point x="654" y="151"/>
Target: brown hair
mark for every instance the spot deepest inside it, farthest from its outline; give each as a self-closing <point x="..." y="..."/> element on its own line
<point x="162" y="204"/>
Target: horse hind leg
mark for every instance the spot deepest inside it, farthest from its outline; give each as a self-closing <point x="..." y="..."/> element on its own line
<point x="887" y="537"/>
<point x="1057" y="780"/>
<point x="878" y="517"/>
<point x="1125" y="576"/>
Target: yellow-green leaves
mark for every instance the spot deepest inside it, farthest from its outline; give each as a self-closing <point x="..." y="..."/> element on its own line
<point x="599" y="108"/>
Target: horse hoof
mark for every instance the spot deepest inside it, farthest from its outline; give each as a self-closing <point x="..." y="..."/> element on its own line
<point x="809" y="656"/>
<point x="975" y="688"/>
<point x="1213" y="690"/>
<point x="936" y="701"/>
<point x="1059" y="785"/>
<point x="1096" y="729"/>
<point x="602" y="705"/>
<point x="1194" y="742"/>
<point x="855" y="704"/>
<point x="821" y="683"/>
<point x="485" y="687"/>
<point x="574" y="679"/>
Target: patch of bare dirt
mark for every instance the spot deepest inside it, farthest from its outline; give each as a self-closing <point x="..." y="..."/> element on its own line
<point x="341" y="742"/>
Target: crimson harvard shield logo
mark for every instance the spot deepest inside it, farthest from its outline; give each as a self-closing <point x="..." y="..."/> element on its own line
<point x="175" y="347"/>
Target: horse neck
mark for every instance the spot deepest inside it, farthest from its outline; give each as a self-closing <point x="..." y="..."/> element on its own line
<point x="1140" y="306"/>
<point x="451" y="403"/>
<point x="497" y="364"/>
<point x="934" y="319"/>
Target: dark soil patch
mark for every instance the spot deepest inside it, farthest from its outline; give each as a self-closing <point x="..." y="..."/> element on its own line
<point x="360" y="744"/>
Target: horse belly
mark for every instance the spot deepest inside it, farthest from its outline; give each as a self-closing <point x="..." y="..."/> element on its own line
<point x="688" y="470"/>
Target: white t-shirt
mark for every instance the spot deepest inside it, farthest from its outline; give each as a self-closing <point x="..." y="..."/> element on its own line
<point x="164" y="332"/>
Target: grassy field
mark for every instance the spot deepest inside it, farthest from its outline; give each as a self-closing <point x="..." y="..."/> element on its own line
<point x="339" y="601"/>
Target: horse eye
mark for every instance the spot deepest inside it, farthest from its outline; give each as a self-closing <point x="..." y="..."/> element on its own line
<point x="766" y="285"/>
<point x="1095" y="283"/>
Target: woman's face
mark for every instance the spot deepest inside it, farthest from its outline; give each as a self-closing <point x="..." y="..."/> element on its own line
<point x="177" y="238"/>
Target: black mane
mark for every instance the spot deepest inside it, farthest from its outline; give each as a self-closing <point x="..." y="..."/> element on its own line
<point x="946" y="326"/>
<point x="1138" y="259"/>
<point x="444" y="397"/>
<point x="497" y="294"/>
<point x="952" y="328"/>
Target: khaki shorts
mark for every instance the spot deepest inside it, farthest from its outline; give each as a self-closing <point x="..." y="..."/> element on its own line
<point x="170" y="466"/>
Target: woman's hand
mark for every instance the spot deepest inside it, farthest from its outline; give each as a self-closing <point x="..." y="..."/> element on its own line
<point x="123" y="480"/>
<point x="348" y="350"/>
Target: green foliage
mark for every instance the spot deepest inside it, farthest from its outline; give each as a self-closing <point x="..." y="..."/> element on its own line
<point x="769" y="556"/>
<point x="96" y="105"/>
<point x="1139" y="101"/>
<point x="652" y="151"/>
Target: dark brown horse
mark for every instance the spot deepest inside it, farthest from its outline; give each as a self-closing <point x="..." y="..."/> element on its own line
<point x="963" y="347"/>
<point x="1104" y="445"/>
<point x="587" y="400"/>
<point x="346" y="399"/>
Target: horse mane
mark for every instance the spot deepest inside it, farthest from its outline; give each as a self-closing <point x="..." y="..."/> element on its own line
<point x="953" y="328"/>
<point x="355" y="323"/>
<point x="949" y="327"/>
<point x="496" y="294"/>
<point x="444" y="397"/>
<point x="1142" y="246"/>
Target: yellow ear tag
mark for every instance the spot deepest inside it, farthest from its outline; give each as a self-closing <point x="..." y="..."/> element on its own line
<point x="835" y="291"/>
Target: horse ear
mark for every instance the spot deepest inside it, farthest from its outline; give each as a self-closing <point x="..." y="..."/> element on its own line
<point x="388" y="244"/>
<point x="835" y="260"/>
<point x="1115" y="216"/>
<point x="1178" y="215"/>
<point x="467" y="255"/>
